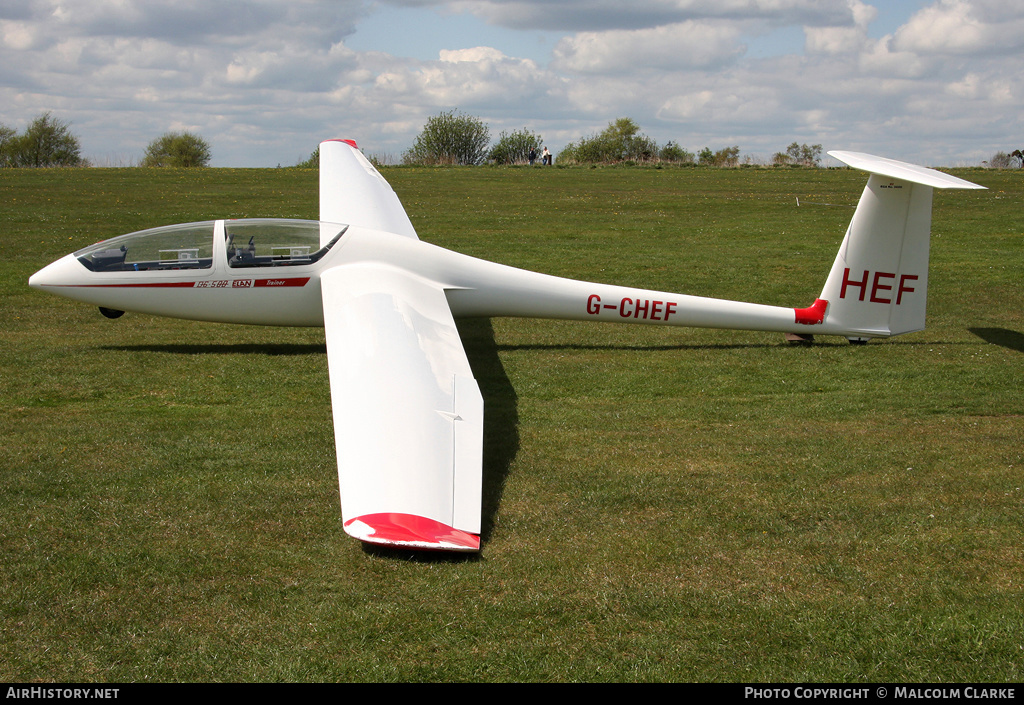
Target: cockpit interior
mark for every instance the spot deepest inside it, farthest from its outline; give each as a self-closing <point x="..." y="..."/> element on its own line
<point x="252" y="242"/>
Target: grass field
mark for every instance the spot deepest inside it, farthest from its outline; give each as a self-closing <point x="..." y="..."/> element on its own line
<point x="660" y="504"/>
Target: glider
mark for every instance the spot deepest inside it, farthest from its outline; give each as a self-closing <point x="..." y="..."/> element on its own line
<point x="408" y="414"/>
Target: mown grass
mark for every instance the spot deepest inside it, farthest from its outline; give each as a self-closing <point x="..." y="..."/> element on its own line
<point x="661" y="504"/>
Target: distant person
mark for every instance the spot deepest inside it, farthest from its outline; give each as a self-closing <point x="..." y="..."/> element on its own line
<point x="546" y="157"/>
<point x="533" y="155"/>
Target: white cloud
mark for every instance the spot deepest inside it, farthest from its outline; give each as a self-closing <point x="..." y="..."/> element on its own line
<point x="964" y="27"/>
<point x="597" y="15"/>
<point x="676" y="46"/>
<point x="18" y="35"/>
<point x="185" y="22"/>
<point x="993" y="90"/>
<point x="475" y="55"/>
<point x="845" y="38"/>
<point x="473" y="79"/>
<point x="880" y="58"/>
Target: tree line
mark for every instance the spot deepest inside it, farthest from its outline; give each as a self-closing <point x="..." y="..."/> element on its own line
<point x="49" y="142"/>
<point x="449" y="138"/>
<point x="452" y="138"/>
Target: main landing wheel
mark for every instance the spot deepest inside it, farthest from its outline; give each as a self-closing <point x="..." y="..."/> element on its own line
<point x="111" y="312"/>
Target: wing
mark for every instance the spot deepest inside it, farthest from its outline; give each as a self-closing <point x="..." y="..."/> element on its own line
<point x="353" y="192"/>
<point x="408" y="415"/>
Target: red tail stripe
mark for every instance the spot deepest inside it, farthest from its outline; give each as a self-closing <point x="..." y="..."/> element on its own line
<point x="812" y="315"/>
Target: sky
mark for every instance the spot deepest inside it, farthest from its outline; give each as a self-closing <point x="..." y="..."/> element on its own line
<point x="264" y="81"/>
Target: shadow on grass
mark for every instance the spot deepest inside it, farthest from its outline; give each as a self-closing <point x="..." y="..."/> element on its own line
<point x="1010" y="339"/>
<point x="229" y="349"/>
<point x="664" y="348"/>
<point x="401" y="554"/>
<point x="820" y="342"/>
<point x="501" y="413"/>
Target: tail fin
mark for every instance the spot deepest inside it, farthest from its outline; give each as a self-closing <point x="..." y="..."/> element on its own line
<point x="878" y="285"/>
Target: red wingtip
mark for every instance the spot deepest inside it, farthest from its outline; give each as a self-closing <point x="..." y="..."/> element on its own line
<point x="349" y="142"/>
<point x="410" y="531"/>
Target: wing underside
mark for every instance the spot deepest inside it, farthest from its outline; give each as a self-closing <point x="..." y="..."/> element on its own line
<point x="408" y="414"/>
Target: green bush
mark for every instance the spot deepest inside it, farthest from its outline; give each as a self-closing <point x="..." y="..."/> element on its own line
<point x="619" y="142"/>
<point x="47" y="142"/>
<point x="798" y="154"/>
<point x="672" y="152"/>
<point x="178" y="149"/>
<point x="728" y="156"/>
<point x="452" y="139"/>
<point x="515" y="148"/>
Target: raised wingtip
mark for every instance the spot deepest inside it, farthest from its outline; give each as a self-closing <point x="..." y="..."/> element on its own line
<point x="348" y="142"/>
<point x="410" y="531"/>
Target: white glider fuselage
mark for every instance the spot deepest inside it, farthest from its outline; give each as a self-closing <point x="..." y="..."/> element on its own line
<point x="290" y="295"/>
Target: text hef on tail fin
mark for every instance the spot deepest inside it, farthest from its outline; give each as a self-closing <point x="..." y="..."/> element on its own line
<point x="878" y="285"/>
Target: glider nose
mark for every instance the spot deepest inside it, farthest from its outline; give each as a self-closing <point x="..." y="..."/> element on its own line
<point x="63" y="272"/>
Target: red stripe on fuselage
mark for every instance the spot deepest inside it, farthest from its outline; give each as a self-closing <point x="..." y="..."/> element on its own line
<point x="147" y="285"/>
<point x="273" y="282"/>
